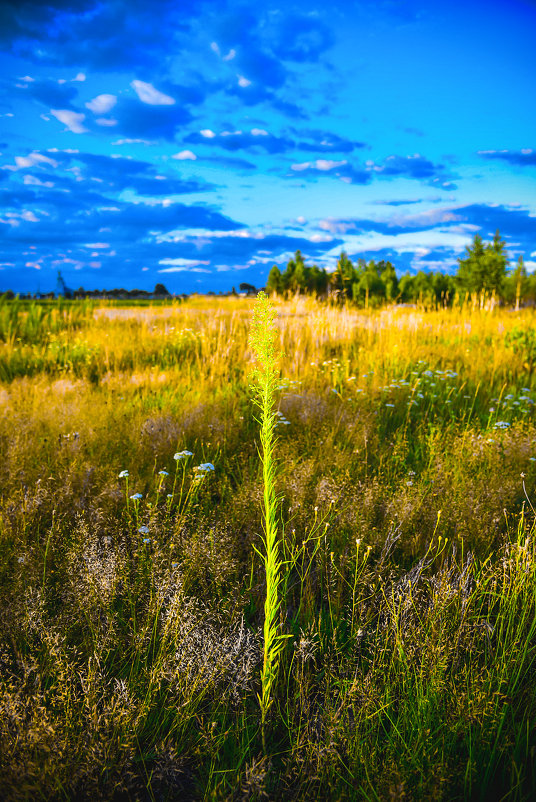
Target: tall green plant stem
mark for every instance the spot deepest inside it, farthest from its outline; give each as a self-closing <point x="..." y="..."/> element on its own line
<point x="265" y="378"/>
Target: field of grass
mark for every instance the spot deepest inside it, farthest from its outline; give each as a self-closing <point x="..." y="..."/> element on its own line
<point x="133" y="575"/>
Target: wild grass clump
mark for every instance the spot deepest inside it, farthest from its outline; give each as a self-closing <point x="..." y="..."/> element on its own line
<point x="333" y="601"/>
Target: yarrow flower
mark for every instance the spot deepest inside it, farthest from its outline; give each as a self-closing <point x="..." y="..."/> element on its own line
<point x="136" y="497"/>
<point x="143" y="530"/>
<point x="163" y="473"/>
<point x="501" y="424"/>
<point x="182" y="455"/>
<point x="205" y="466"/>
<point x="146" y="539"/>
<point x="123" y="475"/>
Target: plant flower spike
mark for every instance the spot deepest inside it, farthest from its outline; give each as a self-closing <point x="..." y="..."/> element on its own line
<point x="265" y="381"/>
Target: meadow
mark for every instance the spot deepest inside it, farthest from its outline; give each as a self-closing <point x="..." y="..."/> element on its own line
<point x="133" y="575"/>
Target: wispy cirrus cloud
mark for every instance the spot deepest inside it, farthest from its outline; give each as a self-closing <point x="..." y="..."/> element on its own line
<point x="72" y="120"/>
<point x="476" y="217"/>
<point x="260" y="140"/>
<point x="416" y="167"/>
<point x="151" y="96"/>
<point x="102" y="104"/>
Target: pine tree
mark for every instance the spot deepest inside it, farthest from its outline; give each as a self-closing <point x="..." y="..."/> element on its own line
<point x="274" y="285"/>
<point x="300" y="275"/>
<point x="484" y="268"/>
<point x="389" y="278"/>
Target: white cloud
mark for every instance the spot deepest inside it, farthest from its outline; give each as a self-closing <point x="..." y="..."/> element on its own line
<point x="336" y="226"/>
<point x="102" y="104"/>
<point x="148" y="94"/>
<point x="29" y="216"/>
<point x="33" y="158"/>
<point x="207" y="133"/>
<point x="80" y="76"/>
<point x="96" y="245"/>
<point x="319" y="164"/>
<point x="320" y="238"/>
<point x="179" y="265"/>
<point x="31" y="180"/>
<point x="431" y="217"/>
<point x="106" y="121"/>
<point x="71" y="119"/>
<point x="27" y="78"/>
<point x="185" y="154"/>
<point x="259" y="132"/>
<point x="214" y="46"/>
<point x="243" y="81"/>
<point x="131" y="142"/>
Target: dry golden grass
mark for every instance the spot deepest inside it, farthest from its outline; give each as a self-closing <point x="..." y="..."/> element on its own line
<point x="130" y="630"/>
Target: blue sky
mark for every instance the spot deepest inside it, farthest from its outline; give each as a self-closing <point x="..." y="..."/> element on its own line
<point x="199" y="143"/>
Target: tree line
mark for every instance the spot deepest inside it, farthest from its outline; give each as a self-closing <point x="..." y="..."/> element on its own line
<point x="482" y="275"/>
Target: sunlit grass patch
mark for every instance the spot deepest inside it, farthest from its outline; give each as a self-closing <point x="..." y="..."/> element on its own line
<point x="132" y="601"/>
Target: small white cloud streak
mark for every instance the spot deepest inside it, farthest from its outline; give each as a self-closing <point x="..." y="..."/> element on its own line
<point x="185" y="155"/>
<point x="319" y="164"/>
<point x="32" y="181"/>
<point x="320" y="238"/>
<point x="183" y="269"/>
<point x="71" y="119"/>
<point x="33" y="158"/>
<point x="102" y="104"/>
<point x="131" y="142"/>
<point x="243" y="82"/>
<point x="179" y="265"/>
<point x="148" y="94"/>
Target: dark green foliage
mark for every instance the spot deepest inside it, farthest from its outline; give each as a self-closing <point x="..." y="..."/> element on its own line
<point x="481" y="275"/>
<point x="483" y="270"/>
